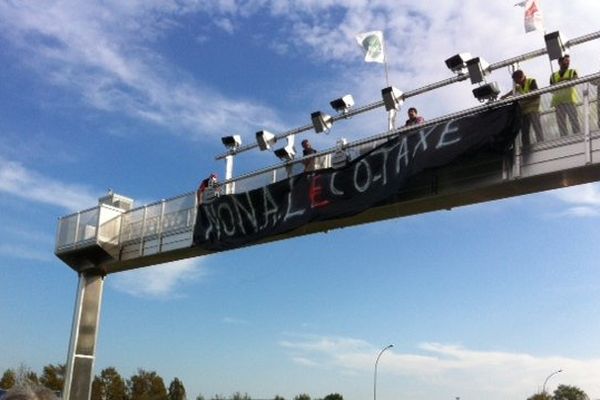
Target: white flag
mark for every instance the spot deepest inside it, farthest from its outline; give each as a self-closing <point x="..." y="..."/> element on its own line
<point x="372" y="44"/>
<point x="533" y="16"/>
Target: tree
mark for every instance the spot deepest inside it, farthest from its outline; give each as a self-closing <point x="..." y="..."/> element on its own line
<point x="566" y="392"/>
<point x="8" y="380"/>
<point x="333" y="396"/>
<point x="53" y="377"/>
<point x="109" y="386"/>
<point x="24" y="374"/>
<point x="540" y="396"/>
<point x="176" y="390"/>
<point x="200" y="397"/>
<point x="147" y="386"/>
<point x="302" y="396"/>
<point x="97" y="389"/>
<point x="32" y="377"/>
<point x="278" y="397"/>
<point x="239" y="396"/>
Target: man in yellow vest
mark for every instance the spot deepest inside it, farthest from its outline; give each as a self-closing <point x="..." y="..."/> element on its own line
<point x="530" y="107"/>
<point x="565" y="100"/>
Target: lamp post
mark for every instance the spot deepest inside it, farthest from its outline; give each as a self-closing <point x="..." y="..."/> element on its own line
<point x="548" y="377"/>
<point x="389" y="346"/>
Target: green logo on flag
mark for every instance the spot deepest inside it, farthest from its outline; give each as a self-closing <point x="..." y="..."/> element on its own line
<point x="372" y="46"/>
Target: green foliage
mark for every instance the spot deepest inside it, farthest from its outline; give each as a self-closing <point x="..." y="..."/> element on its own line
<point x="32" y="377"/>
<point x="26" y="375"/>
<point x="540" y="396"/>
<point x="147" y="386"/>
<point x="8" y="380"/>
<point x="239" y="396"/>
<point x="97" y="389"/>
<point x="53" y="377"/>
<point x="562" y="392"/>
<point x="566" y="392"/>
<point x="278" y="397"/>
<point x="176" y="390"/>
<point x="109" y="386"/>
<point x="302" y="396"/>
<point x="333" y="396"/>
<point x="200" y="397"/>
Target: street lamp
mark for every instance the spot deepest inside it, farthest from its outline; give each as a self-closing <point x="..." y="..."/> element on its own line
<point x="548" y="377"/>
<point x="389" y="346"/>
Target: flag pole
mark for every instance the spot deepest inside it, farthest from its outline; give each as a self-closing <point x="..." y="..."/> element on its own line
<point x="373" y="43"/>
<point x="391" y="113"/>
<point x="385" y="66"/>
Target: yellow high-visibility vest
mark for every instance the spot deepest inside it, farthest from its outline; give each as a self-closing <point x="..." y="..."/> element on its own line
<point x="531" y="105"/>
<point x="566" y="95"/>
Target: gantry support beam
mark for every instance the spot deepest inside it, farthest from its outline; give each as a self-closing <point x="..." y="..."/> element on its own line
<point x="84" y="333"/>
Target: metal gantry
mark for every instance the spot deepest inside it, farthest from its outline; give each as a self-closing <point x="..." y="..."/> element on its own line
<point x="113" y="237"/>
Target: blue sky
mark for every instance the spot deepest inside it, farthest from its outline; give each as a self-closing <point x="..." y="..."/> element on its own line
<point x="480" y="302"/>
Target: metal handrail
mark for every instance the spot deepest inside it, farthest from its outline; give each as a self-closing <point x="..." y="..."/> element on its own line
<point x="445" y="118"/>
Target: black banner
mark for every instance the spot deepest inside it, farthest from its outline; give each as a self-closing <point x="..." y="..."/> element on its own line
<point x="372" y="179"/>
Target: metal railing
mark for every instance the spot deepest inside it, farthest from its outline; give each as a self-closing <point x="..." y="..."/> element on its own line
<point x="77" y="228"/>
<point x="159" y="218"/>
<point x="585" y="92"/>
<point x="178" y="214"/>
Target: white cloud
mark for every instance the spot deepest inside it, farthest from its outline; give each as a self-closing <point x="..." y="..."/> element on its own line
<point x="588" y="194"/>
<point x="16" y="230"/>
<point x="24" y="252"/>
<point x="226" y="24"/>
<point x="103" y="53"/>
<point x="448" y="368"/>
<point x="104" y="50"/>
<point x="235" y="321"/>
<point x="326" y="344"/>
<point x="25" y="243"/>
<point x="161" y="281"/>
<point x="584" y="200"/>
<point x="581" y="212"/>
<point x="21" y="182"/>
<point x="304" y="361"/>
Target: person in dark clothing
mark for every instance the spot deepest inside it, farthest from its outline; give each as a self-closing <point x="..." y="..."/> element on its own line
<point x="307" y="149"/>
<point x="205" y="184"/>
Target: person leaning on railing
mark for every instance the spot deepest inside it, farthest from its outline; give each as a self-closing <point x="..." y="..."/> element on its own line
<point x="565" y="100"/>
<point x="530" y="107"/>
<point x="413" y="117"/>
<point x="209" y="183"/>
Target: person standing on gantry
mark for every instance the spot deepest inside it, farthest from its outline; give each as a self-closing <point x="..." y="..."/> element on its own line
<point x="210" y="183"/>
<point x="565" y="100"/>
<point x="530" y="107"/>
<point x="307" y="150"/>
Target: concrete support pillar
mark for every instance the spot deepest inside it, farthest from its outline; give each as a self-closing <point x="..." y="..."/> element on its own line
<point x="82" y="346"/>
